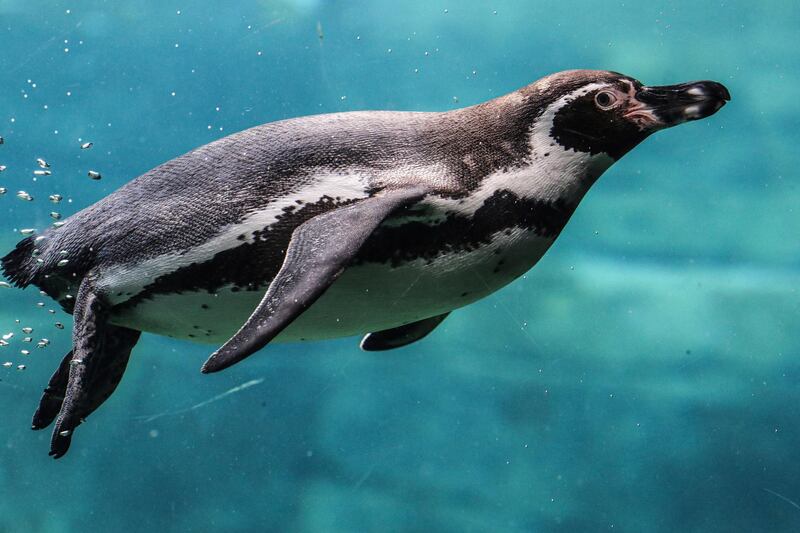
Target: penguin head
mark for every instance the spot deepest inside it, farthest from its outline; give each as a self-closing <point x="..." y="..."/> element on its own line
<point x="602" y="112"/>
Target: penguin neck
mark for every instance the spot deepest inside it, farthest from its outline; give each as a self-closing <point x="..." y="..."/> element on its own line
<point x="559" y="172"/>
<point x="556" y="173"/>
<point x="548" y="171"/>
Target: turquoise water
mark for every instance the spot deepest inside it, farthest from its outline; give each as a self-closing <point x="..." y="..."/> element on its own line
<point x="642" y="377"/>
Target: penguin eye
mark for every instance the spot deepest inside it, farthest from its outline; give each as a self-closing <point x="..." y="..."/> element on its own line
<point x="605" y="100"/>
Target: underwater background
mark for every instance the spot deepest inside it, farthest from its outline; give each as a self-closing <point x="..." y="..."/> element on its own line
<point x="644" y="376"/>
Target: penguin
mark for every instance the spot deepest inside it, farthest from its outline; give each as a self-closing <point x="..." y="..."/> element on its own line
<point x="371" y="222"/>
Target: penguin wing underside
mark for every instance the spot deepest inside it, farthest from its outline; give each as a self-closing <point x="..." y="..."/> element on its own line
<point x="318" y="252"/>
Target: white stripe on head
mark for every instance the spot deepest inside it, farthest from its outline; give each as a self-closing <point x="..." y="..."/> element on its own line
<point x="563" y="173"/>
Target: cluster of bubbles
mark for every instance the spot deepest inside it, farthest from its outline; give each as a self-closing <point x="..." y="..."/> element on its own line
<point x="44" y="170"/>
<point x="24" y="335"/>
<point x="26" y="340"/>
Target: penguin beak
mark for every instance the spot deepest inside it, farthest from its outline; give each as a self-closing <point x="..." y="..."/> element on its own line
<point x="671" y="105"/>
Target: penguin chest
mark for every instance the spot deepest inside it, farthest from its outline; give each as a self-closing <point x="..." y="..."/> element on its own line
<point x="369" y="296"/>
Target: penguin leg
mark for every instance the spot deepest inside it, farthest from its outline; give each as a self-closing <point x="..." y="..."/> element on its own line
<point x="388" y="339"/>
<point x="116" y="352"/>
<point x="116" y="345"/>
<point x="319" y="251"/>
<point x="90" y="315"/>
<point x="53" y="396"/>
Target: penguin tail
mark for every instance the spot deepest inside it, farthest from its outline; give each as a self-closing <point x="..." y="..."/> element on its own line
<point x="19" y="265"/>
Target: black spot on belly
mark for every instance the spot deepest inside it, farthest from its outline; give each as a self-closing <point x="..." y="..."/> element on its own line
<point x="203" y="306"/>
<point x="501" y="212"/>
<point x="463" y="294"/>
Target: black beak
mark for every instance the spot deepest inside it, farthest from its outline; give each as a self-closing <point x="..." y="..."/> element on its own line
<point x="674" y="104"/>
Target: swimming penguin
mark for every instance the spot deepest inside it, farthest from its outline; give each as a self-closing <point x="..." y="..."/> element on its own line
<point x="332" y="225"/>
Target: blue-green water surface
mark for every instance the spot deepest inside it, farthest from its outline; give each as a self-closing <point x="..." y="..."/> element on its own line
<point x="643" y="377"/>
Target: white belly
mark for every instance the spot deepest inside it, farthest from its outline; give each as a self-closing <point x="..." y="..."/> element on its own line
<point x="366" y="298"/>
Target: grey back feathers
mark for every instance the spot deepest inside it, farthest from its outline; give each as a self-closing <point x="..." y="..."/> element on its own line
<point x="186" y="201"/>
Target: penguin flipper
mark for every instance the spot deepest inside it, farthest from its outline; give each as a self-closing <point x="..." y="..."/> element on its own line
<point x="389" y="339"/>
<point x="319" y="251"/>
